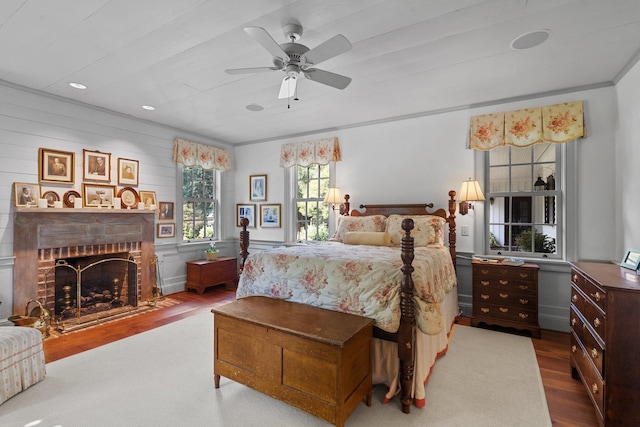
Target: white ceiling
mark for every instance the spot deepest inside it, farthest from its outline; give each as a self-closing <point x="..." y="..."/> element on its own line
<point x="409" y="57"/>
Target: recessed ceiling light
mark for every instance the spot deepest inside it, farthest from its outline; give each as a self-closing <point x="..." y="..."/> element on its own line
<point x="529" y="40"/>
<point x="149" y="107"/>
<point x="77" y="85"/>
<point x="254" y="107"/>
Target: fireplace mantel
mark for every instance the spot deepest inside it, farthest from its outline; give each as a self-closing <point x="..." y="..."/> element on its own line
<point x="37" y="229"/>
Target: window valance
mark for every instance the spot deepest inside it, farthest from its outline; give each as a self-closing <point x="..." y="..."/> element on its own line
<point x="554" y="123"/>
<point x="191" y="153"/>
<point x="318" y="152"/>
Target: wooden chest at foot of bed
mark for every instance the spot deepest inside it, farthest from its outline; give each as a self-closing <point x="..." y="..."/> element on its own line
<point x="314" y="359"/>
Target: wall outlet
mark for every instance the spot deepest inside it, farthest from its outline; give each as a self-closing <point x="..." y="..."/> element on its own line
<point x="464" y="230"/>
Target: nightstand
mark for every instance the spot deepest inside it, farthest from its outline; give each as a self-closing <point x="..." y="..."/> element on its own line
<point x="202" y="274"/>
<point x="506" y="296"/>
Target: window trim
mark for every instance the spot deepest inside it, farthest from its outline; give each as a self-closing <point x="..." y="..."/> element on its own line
<point x="179" y="214"/>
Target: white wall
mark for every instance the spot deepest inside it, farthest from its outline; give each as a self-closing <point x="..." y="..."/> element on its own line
<point x="29" y="121"/>
<point x="627" y="161"/>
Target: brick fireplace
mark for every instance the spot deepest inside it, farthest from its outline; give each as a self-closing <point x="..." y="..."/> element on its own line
<point x="44" y="237"/>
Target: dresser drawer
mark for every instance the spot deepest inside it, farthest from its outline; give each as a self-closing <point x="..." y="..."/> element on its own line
<point x="508" y="273"/>
<point x="587" y="341"/>
<point x="591" y="312"/>
<point x="506" y="312"/>
<point x="506" y="296"/>
<point x="592" y="292"/>
<point x="590" y="375"/>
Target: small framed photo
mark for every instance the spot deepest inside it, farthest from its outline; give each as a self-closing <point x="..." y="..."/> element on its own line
<point x="258" y="188"/>
<point x="26" y="194"/>
<point x="166" y="229"/>
<point x="148" y="198"/>
<point x="631" y="259"/>
<point x="246" y="211"/>
<point x="270" y="215"/>
<point x="56" y="166"/>
<point x="128" y="172"/>
<point x="96" y="166"/>
<point x="165" y="210"/>
<point x="96" y="195"/>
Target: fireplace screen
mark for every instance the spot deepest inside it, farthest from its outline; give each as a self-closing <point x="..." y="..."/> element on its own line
<point x="93" y="288"/>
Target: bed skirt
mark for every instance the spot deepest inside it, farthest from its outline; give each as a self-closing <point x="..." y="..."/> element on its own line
<point x="22" y="361"/>
<point x="386" y="365"/>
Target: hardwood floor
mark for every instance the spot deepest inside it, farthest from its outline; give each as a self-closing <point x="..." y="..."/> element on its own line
<point x="568" y="402"/>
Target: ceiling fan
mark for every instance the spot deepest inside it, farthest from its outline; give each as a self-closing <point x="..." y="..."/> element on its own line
<point x="295" y="59"/>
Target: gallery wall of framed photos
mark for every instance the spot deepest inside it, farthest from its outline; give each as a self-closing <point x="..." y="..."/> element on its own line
<point x="268" y="215"/>
<point x="100" y="187"/>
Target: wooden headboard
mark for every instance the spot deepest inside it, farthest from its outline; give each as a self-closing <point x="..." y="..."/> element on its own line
<point x="417" y="209"/>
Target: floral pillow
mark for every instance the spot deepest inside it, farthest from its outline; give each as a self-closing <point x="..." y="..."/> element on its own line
<point x="359" y="223"/>
<point x="427" y="229"/>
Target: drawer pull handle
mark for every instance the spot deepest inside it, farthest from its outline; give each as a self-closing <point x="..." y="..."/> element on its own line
<point x="573" y="321"/>
<point x="523" y="315"/>
<point x="484" y="282"/>
<point x="484" y="310"/>
<point x="504" y="310"/>
<point x="575" y="277"/>
<point x="524" y="301"/>
<point x="523" y="287"/>
<point x="594" y="353"/>
<point x="504" y="282"/>
<point x="484" y="296"/>
<point x="524" y="275"/>
<point x="574" y="298"/>
<point x="596" y="322"/>
<point x="503" y="295"/>
<point x="573" y="348"/>
<point x="594" y="388"/>
<point x="596" y="296"/>
<point x="484" y="271"/>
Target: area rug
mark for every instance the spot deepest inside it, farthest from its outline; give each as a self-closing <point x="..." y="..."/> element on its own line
<point x="163" y="377"/>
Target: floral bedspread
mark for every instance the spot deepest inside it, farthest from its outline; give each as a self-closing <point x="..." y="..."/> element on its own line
<point x="357" y="279"/>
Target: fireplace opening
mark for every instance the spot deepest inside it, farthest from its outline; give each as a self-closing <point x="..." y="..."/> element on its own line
<point x="92" y="288"/>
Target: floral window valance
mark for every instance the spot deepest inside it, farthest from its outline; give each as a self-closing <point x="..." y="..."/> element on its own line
<point x="521" y="128"/>
<point x="191" y="153"/>
<point x="318" y="152"/>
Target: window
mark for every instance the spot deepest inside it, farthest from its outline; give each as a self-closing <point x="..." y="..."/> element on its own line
<point x="525" y="201"/>
<point x="312" y="183"/>
<point x="199" y="205"/>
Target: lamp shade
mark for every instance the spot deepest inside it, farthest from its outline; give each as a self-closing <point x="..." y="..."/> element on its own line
<point x="470" y="192"/>
<point x="333" y="196"/>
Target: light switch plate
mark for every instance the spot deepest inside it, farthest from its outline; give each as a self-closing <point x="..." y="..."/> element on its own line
<point x="464" y="230"/>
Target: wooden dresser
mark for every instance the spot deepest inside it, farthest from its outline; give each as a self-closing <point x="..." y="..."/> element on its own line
<point x="205" y="273"/>
<point x="506" y="296"/>
<point x="605" y="341"/>
<point x="314" y="359"/>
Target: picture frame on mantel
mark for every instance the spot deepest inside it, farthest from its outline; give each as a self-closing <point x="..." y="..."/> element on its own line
<point x="128" y="172"/>
<point x="56" y="166"/>
<point x="26" y="194"/>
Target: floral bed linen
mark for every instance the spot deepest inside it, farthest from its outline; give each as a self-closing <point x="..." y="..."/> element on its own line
<point x="358" y="279"/>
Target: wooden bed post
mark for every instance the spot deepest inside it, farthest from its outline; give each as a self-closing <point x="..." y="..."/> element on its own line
<point x="452" y="226"/>
<point x="406" y="332"/>
<point x="244" y="241"/>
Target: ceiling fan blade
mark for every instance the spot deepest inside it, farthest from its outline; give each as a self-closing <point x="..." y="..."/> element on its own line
<point x="333" y="47"/>
<point x="288" y="87"/>
<point x="250" y="70"/>
<point x="327" y="78"/>
<point x="260" y="35"/>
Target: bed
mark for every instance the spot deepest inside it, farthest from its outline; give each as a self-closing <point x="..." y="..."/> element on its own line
<point x="388" y="262"/>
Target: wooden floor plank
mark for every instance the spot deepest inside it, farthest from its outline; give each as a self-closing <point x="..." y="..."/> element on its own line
<point x="568" y="402"/>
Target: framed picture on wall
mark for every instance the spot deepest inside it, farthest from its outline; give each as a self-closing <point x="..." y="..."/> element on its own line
<point x="165" y="210"/>
<point x="128" y="172"/>
<point x="149" y="198"/>
<point x="246" y="211"/>
<point x="166" y="229"/>
<point x="270" y="215"/>
<point x="96" y="166"/>
<point x="258" y="188"/>
<point x="56" y="166"/>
